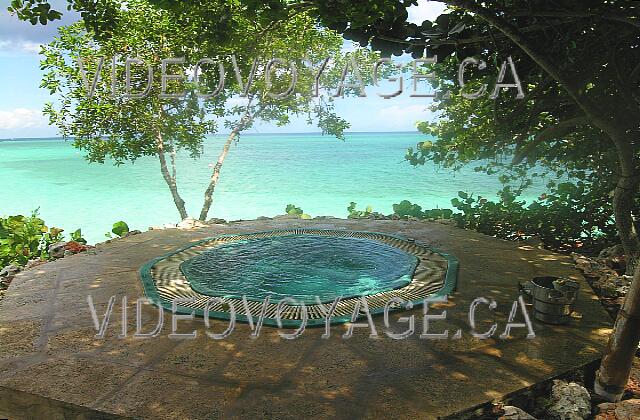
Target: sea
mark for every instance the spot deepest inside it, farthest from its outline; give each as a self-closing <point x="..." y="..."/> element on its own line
<point x="262" y="174"/>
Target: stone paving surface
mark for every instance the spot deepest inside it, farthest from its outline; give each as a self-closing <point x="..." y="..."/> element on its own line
<point x="52" y="366"/>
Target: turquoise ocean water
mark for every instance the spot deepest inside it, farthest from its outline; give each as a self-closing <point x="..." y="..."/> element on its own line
<point x="262" y="174"/>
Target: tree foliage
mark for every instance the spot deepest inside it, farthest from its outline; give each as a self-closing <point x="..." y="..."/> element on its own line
<point x="123" y="129"/>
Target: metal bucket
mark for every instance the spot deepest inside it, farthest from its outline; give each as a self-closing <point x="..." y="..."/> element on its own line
<point x="554" y="298"/>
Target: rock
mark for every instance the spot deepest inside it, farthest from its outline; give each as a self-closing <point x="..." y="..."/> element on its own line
<point x="589" y="267"/>
<point x="132" y="233"/>
<point x="606" y="411"/>
<point x="190" y="223"/>
<point x="612" y="251"/>
<point x="377" y="216"/>
<point x="612" y="285"/>
<point x="448" y="222"/>
<point x="395" y="217"/>
<point x="57" y="250"/>
<point x="73" y="247"/>
<point x="263" y="218"/>
<point x="633" y="386"/>
<point x="569" y="401"/>
<point x="287" y="217"/>
<point x="9" y="271"/>
<point x="216" y="221"/>
<point x="34" y="263"/>
<point x="628" y="410"/>
<point x="533" y="241"/>
<point x="617" y="263"/>
<point x="624" y="410"/>
<point x="515" y="413"/>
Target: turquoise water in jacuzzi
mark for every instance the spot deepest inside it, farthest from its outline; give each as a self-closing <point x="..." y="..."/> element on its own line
<point x="300" y="267"/>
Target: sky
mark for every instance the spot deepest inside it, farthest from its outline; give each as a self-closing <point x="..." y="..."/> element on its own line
<point x="21" y="98"/>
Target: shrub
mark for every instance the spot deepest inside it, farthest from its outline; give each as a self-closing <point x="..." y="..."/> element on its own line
<point x="120" y="228"/>
<point x="296" y="211"/>
<point x="357" y="214"/>
<point x="292" y="209"/>
<point x="25" y="237"/>
<point x="405" y="209"/>
<point x="76" y="236"/>
<point x="570" y="216"/>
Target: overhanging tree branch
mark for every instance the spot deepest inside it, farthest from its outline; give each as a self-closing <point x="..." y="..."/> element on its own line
<point x="566" y="79"/>
<point x="578" y="14"/>
<point x="550" y="133"/>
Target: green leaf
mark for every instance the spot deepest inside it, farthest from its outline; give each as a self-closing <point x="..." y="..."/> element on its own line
<point x="77" y="237"/>
<point x="292" y="209"/>
<point x="120" y="228"/>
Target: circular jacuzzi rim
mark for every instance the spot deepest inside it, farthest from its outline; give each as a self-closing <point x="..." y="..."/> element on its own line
<point x="151" y="291"/>
<point x="415" y="263"/>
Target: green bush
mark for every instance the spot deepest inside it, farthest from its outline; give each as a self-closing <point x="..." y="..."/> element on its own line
<point x="358" y="214"/>
<point x="292" y="209"/>
<point x="405" y="209"/>
<point x="572" y="215"/>
<point x="76" y="236"/>
<point x="296" y="211"/>
<point x="23" y="238"/>
<point x="120" y="228"/>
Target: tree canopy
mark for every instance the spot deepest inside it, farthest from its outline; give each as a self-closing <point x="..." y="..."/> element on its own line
<point x="109" y="118"/>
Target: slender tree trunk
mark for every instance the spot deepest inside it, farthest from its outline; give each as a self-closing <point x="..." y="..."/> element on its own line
<point x="213" y="181"/>
<point x="170" y="179"/>
<point x="618" y="357"/>
<point x="623" y="344"/>
<point x="624" y="196"/>
<point x="244" y="123"/>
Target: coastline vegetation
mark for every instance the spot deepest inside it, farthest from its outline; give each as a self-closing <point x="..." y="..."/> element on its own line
<point x="120" y="229"/>
<point x="24" y="238"/>
<point x="570" y="217"/>
<point x="28" y="238"/>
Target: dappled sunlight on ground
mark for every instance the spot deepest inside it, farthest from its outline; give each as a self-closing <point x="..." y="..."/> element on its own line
<point x="46" y="326"/>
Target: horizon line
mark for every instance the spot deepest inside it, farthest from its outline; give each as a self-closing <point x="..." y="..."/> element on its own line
<point x="226" y="133"/>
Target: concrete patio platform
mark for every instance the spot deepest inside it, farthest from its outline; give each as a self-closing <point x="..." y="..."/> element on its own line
<point x="51" y="366"/>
